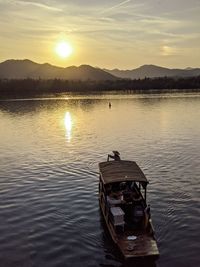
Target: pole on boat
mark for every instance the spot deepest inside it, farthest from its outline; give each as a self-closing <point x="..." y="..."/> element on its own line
<point x="145" y="194"/>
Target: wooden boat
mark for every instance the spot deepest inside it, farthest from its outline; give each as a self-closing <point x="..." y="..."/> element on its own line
<point x="122" y="197"/>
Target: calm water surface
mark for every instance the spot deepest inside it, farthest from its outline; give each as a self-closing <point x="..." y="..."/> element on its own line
<point x="49" y="155"/>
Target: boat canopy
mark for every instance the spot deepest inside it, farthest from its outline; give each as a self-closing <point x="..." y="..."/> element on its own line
<point x="120" y="171"/>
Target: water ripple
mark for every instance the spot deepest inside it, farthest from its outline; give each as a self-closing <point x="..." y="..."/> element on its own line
<point x="49" y="183"/>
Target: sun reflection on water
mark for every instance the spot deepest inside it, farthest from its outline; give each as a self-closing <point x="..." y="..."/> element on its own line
<point x="68" y="125"/>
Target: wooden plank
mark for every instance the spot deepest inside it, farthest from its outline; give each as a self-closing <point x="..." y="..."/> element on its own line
<point x="143" y="245"/>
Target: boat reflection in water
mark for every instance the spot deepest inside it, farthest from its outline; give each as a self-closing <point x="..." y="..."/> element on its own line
<point x="68" y="125"/>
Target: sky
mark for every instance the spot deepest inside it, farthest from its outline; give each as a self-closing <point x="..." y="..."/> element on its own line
<point x="106" y="34"/>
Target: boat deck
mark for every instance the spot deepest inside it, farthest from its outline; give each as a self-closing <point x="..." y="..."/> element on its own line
<point x="143" y="246"/>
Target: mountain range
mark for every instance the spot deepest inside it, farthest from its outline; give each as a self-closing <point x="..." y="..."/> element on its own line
<point x="22" y="69"/>
<point x="152" y="71"/>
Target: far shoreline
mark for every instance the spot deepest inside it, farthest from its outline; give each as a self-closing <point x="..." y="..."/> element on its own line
<point x="29" y="88"/>
<point x="100" y="95"/>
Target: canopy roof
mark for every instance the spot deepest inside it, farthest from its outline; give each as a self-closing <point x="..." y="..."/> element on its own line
<point x="119" y="171"/>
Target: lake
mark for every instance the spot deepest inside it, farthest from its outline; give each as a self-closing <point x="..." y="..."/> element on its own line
<point x="49" y="154"/>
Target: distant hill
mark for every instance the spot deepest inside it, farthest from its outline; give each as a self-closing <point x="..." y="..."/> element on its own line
<point x="152" y="71"/>
<point x="22" y="69"/>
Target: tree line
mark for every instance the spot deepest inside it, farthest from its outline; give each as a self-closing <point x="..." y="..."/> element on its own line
<point x="36" y="87"/>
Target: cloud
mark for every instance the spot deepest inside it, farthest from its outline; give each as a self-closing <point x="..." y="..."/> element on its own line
<point x="36" y="4"/>
<point x="153" y="30"/>
<point x="166" y="50"/>
<point x="115" y="7"/>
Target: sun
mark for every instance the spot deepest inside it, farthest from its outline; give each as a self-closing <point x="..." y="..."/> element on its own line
<point x="64" y="49"/>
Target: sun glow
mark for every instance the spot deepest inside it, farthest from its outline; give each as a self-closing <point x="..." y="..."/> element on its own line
<point x="63" y="49"/>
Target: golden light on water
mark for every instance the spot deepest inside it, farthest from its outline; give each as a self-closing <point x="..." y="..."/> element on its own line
<point x="68" y="125"/>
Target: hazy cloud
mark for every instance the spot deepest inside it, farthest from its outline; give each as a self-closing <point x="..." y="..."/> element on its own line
<point x="115" y="6"/>
<point x="124" y="33"/>
<point x="36" y="4"/>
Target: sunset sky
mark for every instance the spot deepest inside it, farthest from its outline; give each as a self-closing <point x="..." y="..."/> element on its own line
<point x="110" y="34"/>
